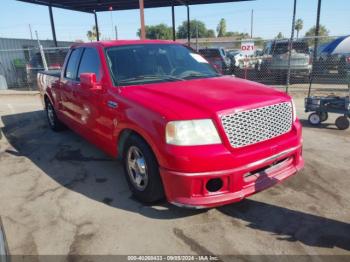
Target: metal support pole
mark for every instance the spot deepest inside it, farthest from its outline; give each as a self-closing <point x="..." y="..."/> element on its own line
<point x="142" y="18"/>
<point x="173" y="21"/>
<point x="317" y="32"/>
<point x="188" y="26"/>
<point x="96" y="25"/>
<point x="290" y="46"/>
<point x="53" y="26"/>
<point x="251" y="24"/>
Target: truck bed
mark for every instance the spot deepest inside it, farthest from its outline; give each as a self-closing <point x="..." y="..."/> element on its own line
<point x="55" y="73"/>
<point x="47" y="79"/>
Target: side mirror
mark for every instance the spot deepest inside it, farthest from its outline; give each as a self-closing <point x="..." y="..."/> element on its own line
<point x="88" y="81"/>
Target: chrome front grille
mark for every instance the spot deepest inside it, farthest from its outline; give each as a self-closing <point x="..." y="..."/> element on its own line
<point x="257" y="125"/>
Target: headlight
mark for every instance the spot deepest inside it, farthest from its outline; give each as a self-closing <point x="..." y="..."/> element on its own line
<point x="192" y="132"/>
<point x="294" y="111"/>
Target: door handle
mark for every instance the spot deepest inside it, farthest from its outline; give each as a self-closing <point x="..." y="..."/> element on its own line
<point x="112" y="104"/>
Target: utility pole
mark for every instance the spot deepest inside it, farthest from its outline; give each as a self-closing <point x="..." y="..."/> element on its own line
<point x="251" y="23"/>
<point x="116" y="32"/>
<point x="31" y="32"/>
<point x="197" y="37"/>
<point x="112" y="23"/>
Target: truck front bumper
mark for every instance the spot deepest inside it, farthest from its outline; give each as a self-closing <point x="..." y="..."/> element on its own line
<point x="216" y="188"/>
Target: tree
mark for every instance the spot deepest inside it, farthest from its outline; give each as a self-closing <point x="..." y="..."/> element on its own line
<point x="161" y="31"/>
<point x="221" y="28"/>
<point x="202" y="30"/>
<point x="92" y="34"/>
<point x="280" y="36"/>
<point x="299" y="24"/>
<point x="237" y="35"/>
<point x="210" y="33"/>
<point x="323" y="33"/>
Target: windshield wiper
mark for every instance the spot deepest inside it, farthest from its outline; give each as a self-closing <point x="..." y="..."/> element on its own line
<point x="151" y="77"/>
<point x="199" y="75"/>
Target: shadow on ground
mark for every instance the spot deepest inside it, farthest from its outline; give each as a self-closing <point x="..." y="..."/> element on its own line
<point x="80" y="167"/>
<point x="77" y="165"/>
<point x="330" y="126"/>
<point x="291" y="225"/>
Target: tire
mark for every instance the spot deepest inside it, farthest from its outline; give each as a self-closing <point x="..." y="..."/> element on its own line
<point x="323" y="116"/>
<point x="142" y="170"/>
<point x="314" y="119"/>
<point x="54" y="123"/>
<point x="342" y="123"/>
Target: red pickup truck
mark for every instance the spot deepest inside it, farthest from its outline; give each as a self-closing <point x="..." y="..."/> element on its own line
<point x="182" y="130"/>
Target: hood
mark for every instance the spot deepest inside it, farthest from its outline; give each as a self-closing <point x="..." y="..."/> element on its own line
<point x="203" y="98"/>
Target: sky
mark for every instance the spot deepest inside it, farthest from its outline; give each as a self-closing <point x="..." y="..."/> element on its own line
<point x="270" y="17"/>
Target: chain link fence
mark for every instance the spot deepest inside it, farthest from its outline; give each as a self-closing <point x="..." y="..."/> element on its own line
<point x="19" y="67"/>
<point x="280" y="62"/>
<point x="265" y="61"/>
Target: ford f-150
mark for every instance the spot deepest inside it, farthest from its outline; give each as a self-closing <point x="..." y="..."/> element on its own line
<point x="184" y="132"/>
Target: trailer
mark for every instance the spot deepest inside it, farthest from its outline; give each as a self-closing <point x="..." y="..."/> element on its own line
<point x="321" y="106"/>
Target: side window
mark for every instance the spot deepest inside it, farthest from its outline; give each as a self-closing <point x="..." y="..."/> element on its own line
<point x="71" y="69"/>
<point x="90" y="63"/>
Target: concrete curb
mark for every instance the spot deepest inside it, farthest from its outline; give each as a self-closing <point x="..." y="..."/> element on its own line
<point x="18" y="92"/>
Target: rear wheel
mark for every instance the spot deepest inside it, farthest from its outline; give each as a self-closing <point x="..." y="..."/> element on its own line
<point x="54" y="123"/>
<point x="323" y="116"/>
<point x="342" y="123"/>
<point x="142" y="170"/>
<point x="314" y="119"/>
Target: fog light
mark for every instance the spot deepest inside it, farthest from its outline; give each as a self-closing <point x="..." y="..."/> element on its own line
<point x="214" y="184"/>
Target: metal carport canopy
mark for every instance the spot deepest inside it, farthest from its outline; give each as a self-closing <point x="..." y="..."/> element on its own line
<point x="91" y="6"/>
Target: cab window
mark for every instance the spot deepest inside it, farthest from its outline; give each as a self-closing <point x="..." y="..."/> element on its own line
<point x="71" y="69"/>
<point x="90" y="63"/>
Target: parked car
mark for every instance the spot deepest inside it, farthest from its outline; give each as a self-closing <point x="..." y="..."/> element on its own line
<point x="237" y="59"/>
<point x="275" y="60"/>
<point x="218" y="58"/>
<point x="334" y="56"/>
<point x="54" y="60"/>
<point x="182" y="130"/>
<point x="340" y="63"/>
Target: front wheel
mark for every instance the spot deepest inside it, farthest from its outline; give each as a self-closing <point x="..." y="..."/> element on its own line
<point x="142" y="170"/>
<point x="314" y="119"/>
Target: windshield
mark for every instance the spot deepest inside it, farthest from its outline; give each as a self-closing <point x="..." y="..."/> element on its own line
<point x="150" y="63"/>
<point x="298" y="47"/>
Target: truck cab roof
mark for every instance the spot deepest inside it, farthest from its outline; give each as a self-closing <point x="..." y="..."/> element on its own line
<point x="105" y="44"/>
